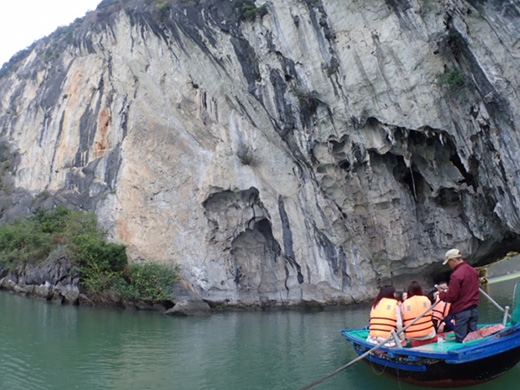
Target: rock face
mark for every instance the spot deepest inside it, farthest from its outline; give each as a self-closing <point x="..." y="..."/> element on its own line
<point x="303" y="152"/>
<point x="55" y="280"/>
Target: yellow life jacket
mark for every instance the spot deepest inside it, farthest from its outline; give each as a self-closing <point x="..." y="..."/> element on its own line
<point x="412" y="308"/>
<point x="383" y="318"/>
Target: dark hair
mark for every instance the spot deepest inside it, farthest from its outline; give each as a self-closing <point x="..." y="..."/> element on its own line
<point x="398" y="295"/>
<point x="384" y="292"/>
<point x="414" y="289"/>
<point x="431" y="296"/>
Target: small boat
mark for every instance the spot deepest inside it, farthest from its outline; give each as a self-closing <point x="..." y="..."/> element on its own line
<point x="444" y="364"/>
<point x="484" y="355"/>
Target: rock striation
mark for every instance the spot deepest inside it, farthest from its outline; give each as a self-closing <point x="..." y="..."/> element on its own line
<point x="280" y="152"/>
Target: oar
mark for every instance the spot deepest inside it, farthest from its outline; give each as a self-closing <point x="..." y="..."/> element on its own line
<point x="361" y="357"/>
<point x="494" y="302"/>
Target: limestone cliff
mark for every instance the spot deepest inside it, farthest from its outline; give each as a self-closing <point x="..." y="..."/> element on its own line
<point x="282" y="152"/>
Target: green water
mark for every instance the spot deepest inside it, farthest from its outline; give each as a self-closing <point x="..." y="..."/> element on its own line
<point x="44" y="346"/>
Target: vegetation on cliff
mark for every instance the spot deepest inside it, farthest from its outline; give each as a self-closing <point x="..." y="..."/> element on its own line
<point x="102" y="266"/>
<point x="50" y="48"/>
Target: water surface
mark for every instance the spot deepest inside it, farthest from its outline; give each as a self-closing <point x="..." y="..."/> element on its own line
<point x="45" y="346"/>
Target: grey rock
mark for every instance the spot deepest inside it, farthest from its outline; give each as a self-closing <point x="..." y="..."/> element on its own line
<point x="189" y="308"/>
<point x="44" y="290"/>
<point x="309" y="155"/>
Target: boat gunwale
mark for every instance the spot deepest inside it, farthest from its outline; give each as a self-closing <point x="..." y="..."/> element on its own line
<point x="455" y="353"/>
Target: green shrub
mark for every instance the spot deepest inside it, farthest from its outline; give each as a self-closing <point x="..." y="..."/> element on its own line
<point x="246" y="154"/>
<point x="103" y="266"/>
<point x="12" y="65"/>
<point x="452" y="78"/>
<point x="456" y="85"/>
<point x="22" y="242"/>
<point x="151" y="282"/>
<point x="100" y="283"/>
<point x="51" y="222"/>
<point x="32" y="239"/>
<point x="92" y="252"/>
<point x="163" y="8"/>
<point x="247" y="10"/>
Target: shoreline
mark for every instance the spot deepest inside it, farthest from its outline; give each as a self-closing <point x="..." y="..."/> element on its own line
<point x="186" y="305"/>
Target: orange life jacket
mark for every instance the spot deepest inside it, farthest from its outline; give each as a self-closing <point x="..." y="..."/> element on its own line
<point x="383" y="318"/>
<point x="412" y="308"/>
<point x="441" y="311"/>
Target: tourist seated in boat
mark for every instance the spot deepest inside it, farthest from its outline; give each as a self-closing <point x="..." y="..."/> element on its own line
<point x="385" y="317"/>
<point x="423" y="330"/>
<point x="441" y="316"/>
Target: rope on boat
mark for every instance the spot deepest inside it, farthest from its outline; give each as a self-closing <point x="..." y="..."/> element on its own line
<point x="361" y="357"/>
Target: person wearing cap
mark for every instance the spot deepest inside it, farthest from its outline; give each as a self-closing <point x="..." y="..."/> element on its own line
<point x="462" y="293"/>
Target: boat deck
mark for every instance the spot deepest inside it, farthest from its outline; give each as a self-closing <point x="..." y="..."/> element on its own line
<point x="449" y="344"/>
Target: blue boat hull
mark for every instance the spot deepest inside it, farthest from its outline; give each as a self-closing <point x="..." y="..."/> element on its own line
<point x="452" y="367"/>
<point x="437" y="373"/>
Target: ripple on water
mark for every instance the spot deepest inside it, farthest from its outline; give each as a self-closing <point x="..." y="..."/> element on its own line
<point x="17" y="372"/>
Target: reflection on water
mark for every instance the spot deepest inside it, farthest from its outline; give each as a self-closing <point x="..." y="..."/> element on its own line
<point x="52" y="347"/>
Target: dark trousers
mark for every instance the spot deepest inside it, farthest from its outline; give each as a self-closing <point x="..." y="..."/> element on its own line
<point x="465" y="322"/>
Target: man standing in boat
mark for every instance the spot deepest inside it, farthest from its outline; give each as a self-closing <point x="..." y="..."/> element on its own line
<point x="462" y="293"/>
